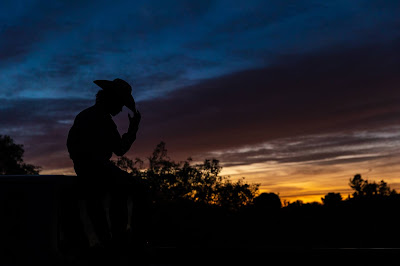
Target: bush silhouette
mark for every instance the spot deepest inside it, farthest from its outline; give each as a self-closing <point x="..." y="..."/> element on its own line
<point x="332" y="199"/>
<point x="268" y="202"/>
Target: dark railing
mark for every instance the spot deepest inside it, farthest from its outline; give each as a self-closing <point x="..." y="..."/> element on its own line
<point x="30" y="209"/>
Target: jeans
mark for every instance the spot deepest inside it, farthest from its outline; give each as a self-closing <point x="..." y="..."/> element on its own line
<point x="98" y="180"/>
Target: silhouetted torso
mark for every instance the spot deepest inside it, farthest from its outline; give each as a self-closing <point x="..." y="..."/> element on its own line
<point x="93" y="138"/>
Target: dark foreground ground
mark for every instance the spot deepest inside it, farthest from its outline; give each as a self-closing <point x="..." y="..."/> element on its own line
<point x="248" y="256"/>
<point x="40" y="226"/>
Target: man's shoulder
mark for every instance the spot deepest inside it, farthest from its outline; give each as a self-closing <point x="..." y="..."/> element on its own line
<point x="91" y="112"/>
<point x="92" y="115"/>
<point x="87" y="115"/>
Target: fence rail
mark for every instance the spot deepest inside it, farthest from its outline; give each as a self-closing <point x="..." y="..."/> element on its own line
<point x="30" y="209"/>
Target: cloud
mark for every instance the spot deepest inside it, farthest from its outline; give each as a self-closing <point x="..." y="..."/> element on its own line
<point x="315" y="150"/>
<point x="334" y="91"/>
<point x="54" y="48"/>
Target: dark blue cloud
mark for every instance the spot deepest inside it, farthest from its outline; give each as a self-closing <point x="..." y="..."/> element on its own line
<point x="55" y="49"/>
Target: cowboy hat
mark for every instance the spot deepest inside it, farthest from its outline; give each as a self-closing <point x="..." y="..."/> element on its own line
<point x="120" y="87"/>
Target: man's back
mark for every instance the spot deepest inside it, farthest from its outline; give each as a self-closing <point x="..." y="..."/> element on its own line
<point x="92" y="135"/>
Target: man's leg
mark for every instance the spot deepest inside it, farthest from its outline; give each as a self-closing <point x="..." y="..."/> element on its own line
<point x="97" y="214"/>
<point x="119" y="214"/>
<point x="140" y="214"/>
<point x="119" y="187"/>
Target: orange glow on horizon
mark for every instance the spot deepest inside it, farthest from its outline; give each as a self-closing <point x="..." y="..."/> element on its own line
<point x="309" y="183"/>
<point x="303" y="181"/>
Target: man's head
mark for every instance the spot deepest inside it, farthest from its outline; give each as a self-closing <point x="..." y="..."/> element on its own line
<point x="114" y="95"/>
<point x="112" y="104"/>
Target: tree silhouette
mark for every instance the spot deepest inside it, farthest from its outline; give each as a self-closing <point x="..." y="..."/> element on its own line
<point x="332" y="199"/>
<point x="357" y="184"/>
<point x="195" y="182"/>
<point x="295" y="204"/>
<point x="370" y="189"/>
<point x="11" y="162"/>
<point x="384" y="189"/>
<point x="364" y="188"/>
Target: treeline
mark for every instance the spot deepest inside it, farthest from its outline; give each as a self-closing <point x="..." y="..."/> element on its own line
<point x="187" y="204"/>
<point x="192" y="205"/>
<point x="363" y="190"/>
<point x="201" y="183"/>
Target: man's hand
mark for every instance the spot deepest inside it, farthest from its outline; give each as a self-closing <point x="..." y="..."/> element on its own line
<point x="130" y="103"/>
<point x="134" y="121"/>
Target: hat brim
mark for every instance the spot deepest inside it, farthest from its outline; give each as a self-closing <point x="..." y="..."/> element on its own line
<point x="110" y="86"/>
<point x="105" y="84"/>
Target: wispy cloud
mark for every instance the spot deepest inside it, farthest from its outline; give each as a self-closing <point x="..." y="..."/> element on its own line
<point x="57" y="48"/>
<point x="316" y="150"/>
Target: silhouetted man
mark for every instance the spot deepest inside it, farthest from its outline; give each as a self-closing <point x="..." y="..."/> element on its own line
<point x="92" y="140"/>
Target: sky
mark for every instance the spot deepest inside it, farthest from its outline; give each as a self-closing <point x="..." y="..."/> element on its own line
<point x="298" y="96"/>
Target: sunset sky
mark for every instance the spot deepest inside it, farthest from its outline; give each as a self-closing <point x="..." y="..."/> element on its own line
<point x="298" y="96"/>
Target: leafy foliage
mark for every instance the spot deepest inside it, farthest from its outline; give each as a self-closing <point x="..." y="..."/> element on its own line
<point x="199" y="183"/>
<point x="11" y="162"/>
